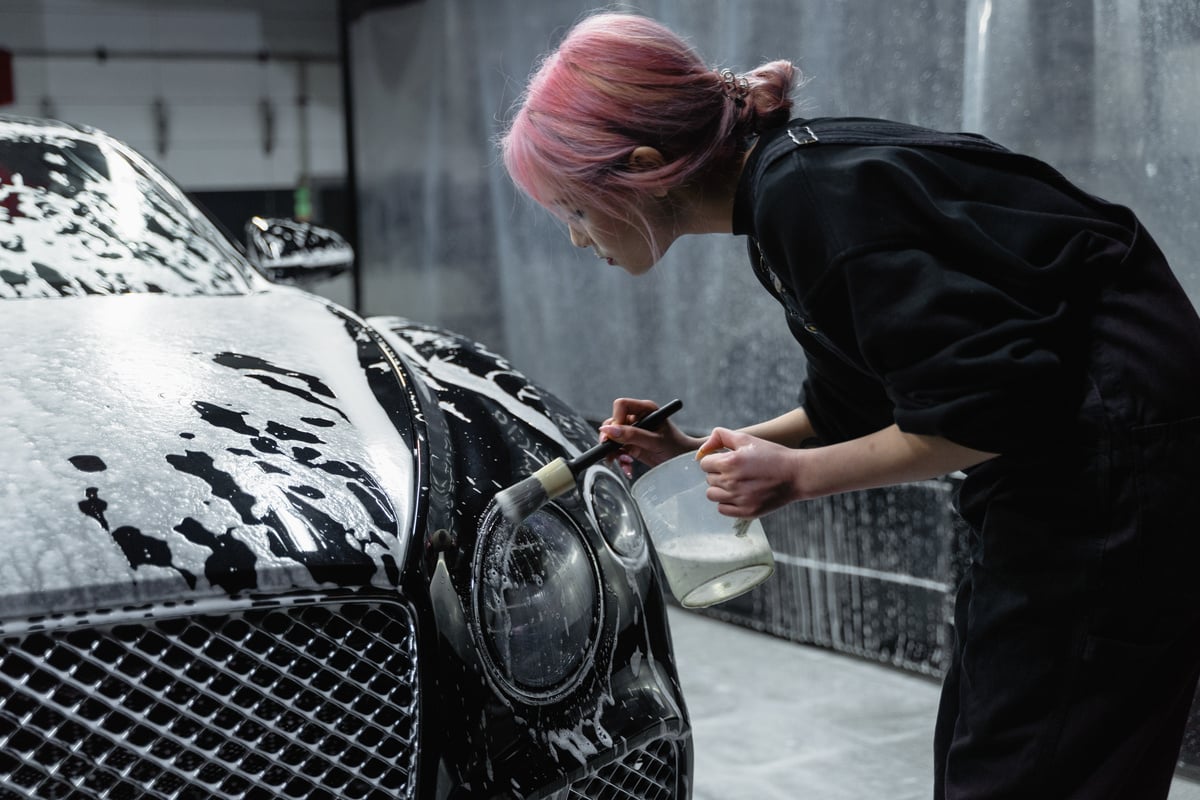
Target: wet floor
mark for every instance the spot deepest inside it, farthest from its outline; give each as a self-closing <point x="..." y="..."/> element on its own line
<point x="774" y="720"/>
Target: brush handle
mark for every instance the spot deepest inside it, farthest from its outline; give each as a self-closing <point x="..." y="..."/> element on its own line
<point x="649" y="422"/>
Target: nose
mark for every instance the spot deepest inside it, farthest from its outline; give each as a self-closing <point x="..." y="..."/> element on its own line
<point x="578" y="238"/>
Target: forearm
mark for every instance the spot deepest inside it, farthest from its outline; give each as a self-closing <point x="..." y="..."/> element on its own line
<point x="749" y="476"/>
<point x="791" y="429"/>
<point x="883" y="458"/>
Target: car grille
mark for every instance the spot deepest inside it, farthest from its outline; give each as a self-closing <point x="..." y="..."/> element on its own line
<point x="299" y="701"/>
<point x="651" y="773"/>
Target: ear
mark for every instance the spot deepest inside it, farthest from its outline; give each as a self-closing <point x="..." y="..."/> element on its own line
<point x="643" y="158"/>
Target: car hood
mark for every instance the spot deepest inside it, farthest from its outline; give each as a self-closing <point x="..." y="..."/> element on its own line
<point x="156" y="447"/>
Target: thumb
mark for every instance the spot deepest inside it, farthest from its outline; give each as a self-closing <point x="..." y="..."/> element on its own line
<point x="719" y="439"/>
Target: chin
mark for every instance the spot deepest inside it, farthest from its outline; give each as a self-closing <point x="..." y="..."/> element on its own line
<point x="642" y="265"/>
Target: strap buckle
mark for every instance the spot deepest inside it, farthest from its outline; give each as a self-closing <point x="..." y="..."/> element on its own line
<point x="802" y="134"/>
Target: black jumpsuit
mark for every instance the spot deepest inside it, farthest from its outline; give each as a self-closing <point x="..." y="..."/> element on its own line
<point x="947" y="285"/>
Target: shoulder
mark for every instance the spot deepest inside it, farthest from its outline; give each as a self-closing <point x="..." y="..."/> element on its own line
<point x="858" y="152"/>
<point x="823" y="194"/>
<point x="784" y="204"/>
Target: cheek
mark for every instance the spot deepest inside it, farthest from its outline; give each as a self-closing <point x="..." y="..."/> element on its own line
<point x="600" y="230"/>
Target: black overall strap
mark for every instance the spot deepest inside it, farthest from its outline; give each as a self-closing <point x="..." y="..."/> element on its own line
<point x="867" y="131"/>
<point x="843" y="131"/>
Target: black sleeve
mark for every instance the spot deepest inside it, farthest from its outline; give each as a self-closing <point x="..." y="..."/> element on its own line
<point x="841" y="402"/>
<point x="963" y="359"/>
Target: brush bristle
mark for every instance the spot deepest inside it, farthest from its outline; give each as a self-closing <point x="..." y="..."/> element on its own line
<point x="522" y="499"/>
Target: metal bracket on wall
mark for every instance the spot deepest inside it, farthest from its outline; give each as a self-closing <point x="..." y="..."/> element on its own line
<point x="266" y="115"/>
<point x="161" y="126"/>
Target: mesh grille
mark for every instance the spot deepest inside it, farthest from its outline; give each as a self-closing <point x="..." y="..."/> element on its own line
<point x="306" y="701"/>
<point x="647" y="774"/>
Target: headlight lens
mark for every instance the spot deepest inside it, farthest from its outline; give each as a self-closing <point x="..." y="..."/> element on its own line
<point x="537" y="601"/>
<point x="616" y="514"/>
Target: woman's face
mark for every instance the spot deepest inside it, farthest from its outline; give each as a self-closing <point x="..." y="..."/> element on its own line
<point x="620" y="241"/>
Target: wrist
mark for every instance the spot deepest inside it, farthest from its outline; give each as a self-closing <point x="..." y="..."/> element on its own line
<point x="797" y="476"/>
<point x="808" y="479"/>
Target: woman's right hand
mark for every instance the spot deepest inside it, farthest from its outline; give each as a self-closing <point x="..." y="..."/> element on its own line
<point x="649" y="447"/>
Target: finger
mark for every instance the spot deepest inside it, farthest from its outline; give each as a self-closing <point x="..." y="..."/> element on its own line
<point x="616" y="433"/>
<point x="731" y="510"/>
<point x="626" y="464"/>
<point x="718" y="494"/>
<point x="631" y="435"/>
<point x="627" y="410"/>
<point x="722" y="483"/>
<point x="719" y="439"/>
<point x="726" y="503"/>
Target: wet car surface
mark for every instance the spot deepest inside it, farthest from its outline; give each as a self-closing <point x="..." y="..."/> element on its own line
<point x="251" y="548"/>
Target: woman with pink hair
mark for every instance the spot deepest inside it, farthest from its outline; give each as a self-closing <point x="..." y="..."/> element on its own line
<point x="962" y="308"/>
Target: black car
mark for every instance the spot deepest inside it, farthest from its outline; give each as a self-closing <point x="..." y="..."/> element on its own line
<point x="250" y="544"/>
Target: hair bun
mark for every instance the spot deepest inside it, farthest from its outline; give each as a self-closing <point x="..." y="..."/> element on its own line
<point x="769" y="97"/>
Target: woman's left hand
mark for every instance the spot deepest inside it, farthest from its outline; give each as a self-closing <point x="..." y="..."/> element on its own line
<point x="748" y="476"/>
<point x="649" y="447"/>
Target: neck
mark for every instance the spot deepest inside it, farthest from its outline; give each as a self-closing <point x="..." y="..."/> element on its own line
<point x="707" y="207"/>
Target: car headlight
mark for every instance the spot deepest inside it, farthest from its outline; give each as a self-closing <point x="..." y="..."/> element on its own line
<point x="537" y="601"/>
<point x="616" y="513"/>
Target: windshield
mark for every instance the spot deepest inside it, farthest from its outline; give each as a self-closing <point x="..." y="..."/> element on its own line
<point x="81" y="213"/>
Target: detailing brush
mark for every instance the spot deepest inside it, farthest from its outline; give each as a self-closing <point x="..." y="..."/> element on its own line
<point x="522" y="499"/>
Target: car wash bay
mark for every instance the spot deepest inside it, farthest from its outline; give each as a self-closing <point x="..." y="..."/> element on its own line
<point x="442" y="240"/>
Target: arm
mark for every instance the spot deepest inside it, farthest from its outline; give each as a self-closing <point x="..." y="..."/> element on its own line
<point x="752" y="476"/>
<point x="790" y="429"/>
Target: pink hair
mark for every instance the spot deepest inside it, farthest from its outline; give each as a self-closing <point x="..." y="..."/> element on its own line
<point x="620" y="81"/>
